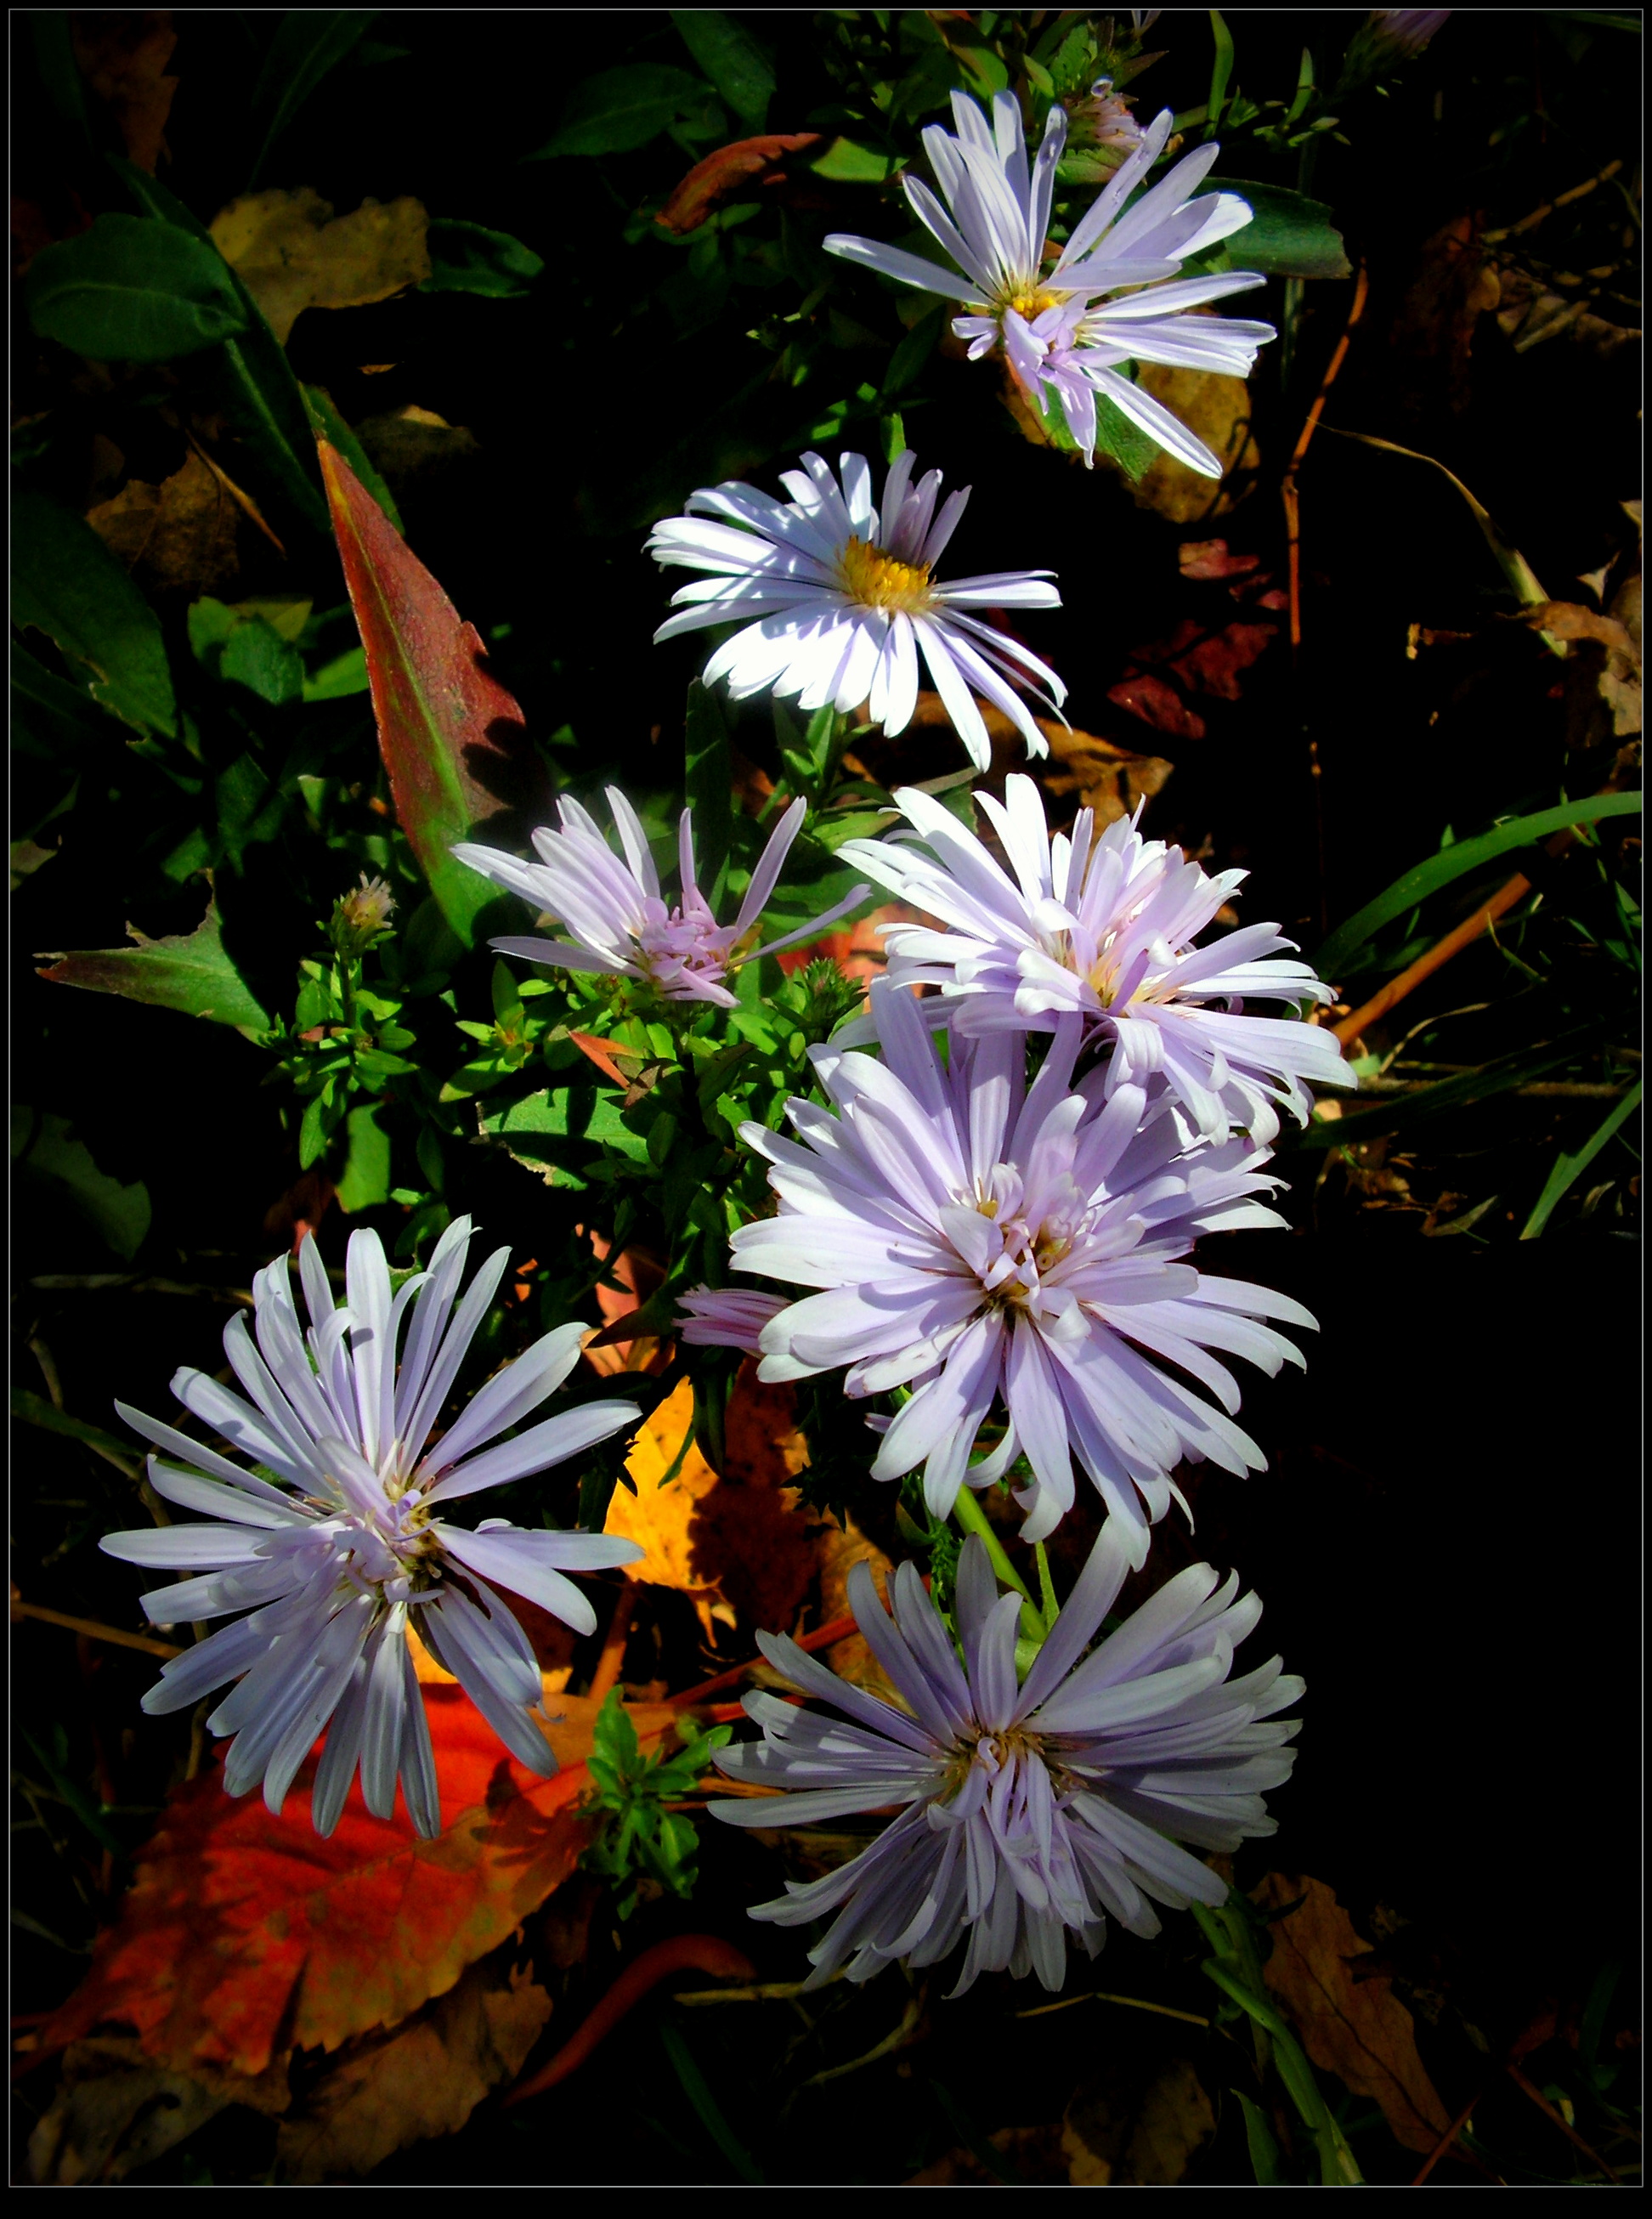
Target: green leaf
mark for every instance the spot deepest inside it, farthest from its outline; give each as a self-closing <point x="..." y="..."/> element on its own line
<point x="620" y="108"/>
<point x="1289" y="235"/>
<point x="708" y="780"/>
<point x="914" y="350"/>
<point x="132" y="290"/>
<point x="336" y="680"/>
<point x="44" y="1147"/>
<point x="254" y="656"/>
<point x="1265" y="2160"/>
<point x="65" y="583"/>
<point x="570" y="1113"/>
<point x="1221" y="69"/>
<point x="1568" y="1168"/>
<point x="52" y="720"/>
<point x="847" y="162"/>
<point x="308" y="44"/>
<point x="365" y="1180"/>
<point x="1116" y="434"/>
<point x="253" y="382"/>
<point x="731" y="57"/>
<point x="1454" y="863"/>
<point x="35" y="1410"/>
<point x="189" y="972"/>
<point x="467" y="257"/>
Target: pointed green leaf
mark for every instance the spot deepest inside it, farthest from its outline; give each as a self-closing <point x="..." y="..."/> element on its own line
<point x="131" y="289"/>
<point x="308" y="44"/>
<point x="189" y="972"/>
<point x="739" y="68"/>
<point x="467" y="257"/>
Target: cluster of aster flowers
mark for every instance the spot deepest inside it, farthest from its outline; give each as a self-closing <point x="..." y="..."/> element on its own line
<point x="983" y="1223"/>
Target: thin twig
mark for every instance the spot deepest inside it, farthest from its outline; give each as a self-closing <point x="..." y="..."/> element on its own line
<point x="1293" y="565"/>
<point x="1571" y="2133"/>
<point x="1447" y="2139"/>
<point x="93" y="1631"/>
<point x="836" y="1629"/>
<point x="890" y="2042"/>
<point x="613" y="1658"/>
<point x="1098" y="1996"/>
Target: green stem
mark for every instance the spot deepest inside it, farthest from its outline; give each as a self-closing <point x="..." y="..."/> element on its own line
<point x="1046" y="1585"/>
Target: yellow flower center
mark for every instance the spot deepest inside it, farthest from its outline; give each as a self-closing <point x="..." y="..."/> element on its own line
<point x="877" y="580"/>
<point x="1033" y="303"/>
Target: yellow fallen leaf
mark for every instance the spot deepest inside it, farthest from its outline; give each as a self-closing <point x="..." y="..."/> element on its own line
<point x="292" y="254"/>
<point x="658" y="1516"/>
<point x="1357" y="2029"/>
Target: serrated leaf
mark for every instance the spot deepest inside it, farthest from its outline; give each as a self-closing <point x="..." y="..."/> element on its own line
<point x="65" y="583"/>
<point x="438" y="709"/>
<point x="188" y="972"/>
<point x="132" y="290"/>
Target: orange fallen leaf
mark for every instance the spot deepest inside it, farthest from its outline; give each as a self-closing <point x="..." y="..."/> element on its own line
<point x="747" y="163"/>
<point x="244" y="1936"/>
<point x="1357" y="2029"/>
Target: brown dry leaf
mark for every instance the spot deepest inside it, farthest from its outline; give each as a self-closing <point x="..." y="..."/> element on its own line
<point x="1529" y="312"/>
<point x="414" y="443"/>
<point x="1128" y="2133"/>
<point x="1034" y="2153"/>
<point x="117" y="2110"/>
<point x="1216" y="410"/>
<point x="423" y="2077"/>
<point x="179" y="533"/>
<point x="1357" y="2029"/>
<point x="1108" y="779"/>
<point x="1429" y="339"/>
<point x="122" y="56"/>
<point x="1612" y="673"/>
<point x="292" y="254"/>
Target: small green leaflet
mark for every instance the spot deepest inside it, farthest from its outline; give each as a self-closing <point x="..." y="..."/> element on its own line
<point x="189" y="972"/>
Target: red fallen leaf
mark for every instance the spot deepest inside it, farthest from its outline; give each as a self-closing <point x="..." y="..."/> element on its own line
<point x="731" y="170"/>
<point x="1158" y="705"/>
<point x="1209" y="558"/>
<point x="1213" y="664"/>
<point x="244" y="1936"/>
<point x="449" y="733"/>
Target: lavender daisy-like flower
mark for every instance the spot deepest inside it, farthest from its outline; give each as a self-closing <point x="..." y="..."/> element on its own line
<point x="333" y="1543"/>
<point x="842" y="598"/>
<point x="1029" y="1812"/>
<point x="1103" y="927"/>
<point x="994" y="226"/>
<point x="970" y="1238"/>
<point x="619" y="922"/>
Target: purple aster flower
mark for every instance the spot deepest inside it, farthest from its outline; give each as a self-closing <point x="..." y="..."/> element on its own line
<point x="727" y="1317"/>
<point x="972" y="1239"/>
<point x="332" y="1543"/>
<point x="1028" y="1812"/>
<point x="618" y="920"/>
<point x="1102" y="928"/>
<point x="843" y="598"/>
<point x="994" y="226"/>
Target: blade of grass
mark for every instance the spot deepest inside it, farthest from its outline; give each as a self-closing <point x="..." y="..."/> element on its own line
<point x="695" y="2087"/>
<point x="1570" y="1166"/>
